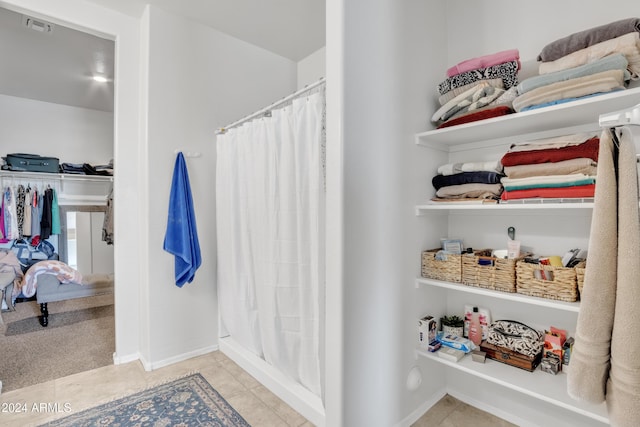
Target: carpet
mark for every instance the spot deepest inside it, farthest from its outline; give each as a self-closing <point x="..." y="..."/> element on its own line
<point x="82" y="339"/>
<point x="187" y="401"/>
<point x="58" y="320"/>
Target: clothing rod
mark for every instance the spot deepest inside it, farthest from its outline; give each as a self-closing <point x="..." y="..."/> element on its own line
<point x="268" y="108"/>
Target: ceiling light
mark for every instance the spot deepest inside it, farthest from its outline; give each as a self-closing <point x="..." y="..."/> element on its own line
<point x="100" y="79"/>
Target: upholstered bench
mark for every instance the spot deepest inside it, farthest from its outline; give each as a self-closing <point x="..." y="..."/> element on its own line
<point x="51" y="290"/>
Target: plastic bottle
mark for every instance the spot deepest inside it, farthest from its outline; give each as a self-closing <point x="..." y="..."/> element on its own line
<point x="475" y="330"/>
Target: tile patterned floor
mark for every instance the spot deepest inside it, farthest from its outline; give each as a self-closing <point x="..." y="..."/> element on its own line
<point x="252" y="400"/>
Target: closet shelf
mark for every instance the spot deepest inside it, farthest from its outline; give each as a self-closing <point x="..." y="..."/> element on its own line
<point x="529" y="204"/>
<point x="538" y="384"/>
<point x="43" y="176"/>
<point x="532" y="124"/>
<point x="516" y="297"/>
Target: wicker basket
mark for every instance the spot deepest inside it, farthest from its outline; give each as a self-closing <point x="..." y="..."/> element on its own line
<point x="563" y="286"/>
<point x="498" y="275"/>
<point x="449" y="270"/>
<point x="580" y="269"/>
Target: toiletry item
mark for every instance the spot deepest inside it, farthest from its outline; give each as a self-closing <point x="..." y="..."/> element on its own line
<point x="478" y="356"/>
<point x="555" y="261"/>
<point x="427" y="328"/>
<point x="451" y="354"/>
<point x="454" y="341"/>
<point x="513" y="249"/>
<point x="475" y="330"/>
<point x="485" y="321"/>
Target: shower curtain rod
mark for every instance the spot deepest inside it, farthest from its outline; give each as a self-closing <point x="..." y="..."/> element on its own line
<point x="266" y="110"/>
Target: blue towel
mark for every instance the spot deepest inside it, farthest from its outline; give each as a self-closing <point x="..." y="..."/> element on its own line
<point x="181" y="237"/>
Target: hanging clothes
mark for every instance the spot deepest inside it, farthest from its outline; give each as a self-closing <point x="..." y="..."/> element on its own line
<point x="26" y="226"/>
<point x="45" y="219"/>
<point x="55" y="213"/>
<point x="20" y="209"/>
<point x="35" y="213"/>
<point x="10" y="214"/>
<point x="107" y="225"/>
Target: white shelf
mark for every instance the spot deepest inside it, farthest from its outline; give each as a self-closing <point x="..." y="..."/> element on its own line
<point x="531" y="204"/>
<point x="516" y="297"/>
<point x="578" y="113"/>
<point x="538" y="384"/>
<point x="53" y="176"/>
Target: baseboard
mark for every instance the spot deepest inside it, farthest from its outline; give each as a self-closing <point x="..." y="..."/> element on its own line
<point x="422" y="409"/>
<point x="150" y="366"/>
<point x="299" y="398"/>
<point x="121" y="360"/>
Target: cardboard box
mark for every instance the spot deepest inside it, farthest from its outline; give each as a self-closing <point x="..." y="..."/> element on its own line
<point x="427" y="329"/>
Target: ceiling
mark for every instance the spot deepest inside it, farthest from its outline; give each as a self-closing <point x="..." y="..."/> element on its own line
<point x="57" y="66"/>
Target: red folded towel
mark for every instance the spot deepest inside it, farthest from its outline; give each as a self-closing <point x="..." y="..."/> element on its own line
<point x="588" y="149"/>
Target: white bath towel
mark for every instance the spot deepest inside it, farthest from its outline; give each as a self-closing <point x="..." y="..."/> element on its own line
<point x="604" y="360"/>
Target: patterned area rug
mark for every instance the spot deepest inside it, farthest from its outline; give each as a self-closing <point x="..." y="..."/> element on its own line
<point x="188" y="401"/>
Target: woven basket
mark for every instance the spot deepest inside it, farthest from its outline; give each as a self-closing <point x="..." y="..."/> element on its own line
<point x="580" y="269"/>
<point x="500" y="275"/>
<point x="563" y="286"/>
<point x="449" y="270"/>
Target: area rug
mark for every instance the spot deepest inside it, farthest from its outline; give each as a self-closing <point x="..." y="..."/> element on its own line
<point x="187" y="401"/>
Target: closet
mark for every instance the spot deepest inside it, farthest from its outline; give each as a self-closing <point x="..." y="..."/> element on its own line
<point x="536" y="398"/>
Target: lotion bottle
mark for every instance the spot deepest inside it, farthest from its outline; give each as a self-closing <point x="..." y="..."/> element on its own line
<point x="475" y="329"/>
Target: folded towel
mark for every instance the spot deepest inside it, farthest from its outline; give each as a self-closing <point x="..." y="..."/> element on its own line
<point x="584" y="166"/>
<point x="604" y="81"/>
<point x="181" y="237"/>
<point x="454" y="168"/>
<point x="552" y="142"/>
<point x="440" y="181"/>
<point x="628" y="45"/>
<point x="507" y="71"/>
<point x="484" y="61"/>
<point x="588" y="149"/>
<point x="586" y="38"/>
<point x="612" y="62"/>
<point x="443" y="99"/>
<point x="480" y="114"/>
<point x="483" y="191"/>
<point x="479" y="98"/>
<point x="549" y="181"/>
<point x="578" y="191"/>
<point x="566" y="100"/>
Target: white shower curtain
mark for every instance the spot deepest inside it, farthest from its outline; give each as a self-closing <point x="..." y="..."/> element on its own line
<point x="270" y="234"/>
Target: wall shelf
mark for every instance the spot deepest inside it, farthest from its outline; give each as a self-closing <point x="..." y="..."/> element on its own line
<point x="530" y="205"/>
<point x="537" y="384"/>
<point x="43" y="176"/>
<point x="516" y="297"/>
<point x="530" y="124"/>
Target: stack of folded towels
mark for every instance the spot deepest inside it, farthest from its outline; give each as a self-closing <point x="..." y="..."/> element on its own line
<point x="588" y="63"/>
<point x="467" y="182"/>
<point x="558" y="167"/>
<point x="478" y="88"/>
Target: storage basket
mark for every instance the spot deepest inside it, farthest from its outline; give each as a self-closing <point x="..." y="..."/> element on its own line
<point x="561" y="283"/>
<point x="448" y="270"/>
<point x="580" y="269"/>
<point x="497" y="274"/>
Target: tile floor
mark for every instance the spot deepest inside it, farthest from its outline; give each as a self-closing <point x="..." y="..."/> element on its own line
<point x="253" y="401"/>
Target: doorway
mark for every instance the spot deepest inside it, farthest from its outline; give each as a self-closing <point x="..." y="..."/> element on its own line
<point x="57" y="100"/>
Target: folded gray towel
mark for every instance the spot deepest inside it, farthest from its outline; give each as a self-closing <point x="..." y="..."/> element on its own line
<point x="586" y="38"/>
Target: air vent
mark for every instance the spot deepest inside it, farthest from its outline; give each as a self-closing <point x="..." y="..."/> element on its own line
<point x="37" y="24"/>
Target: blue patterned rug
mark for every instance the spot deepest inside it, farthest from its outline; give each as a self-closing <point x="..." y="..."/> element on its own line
<point x="189" y="401"/>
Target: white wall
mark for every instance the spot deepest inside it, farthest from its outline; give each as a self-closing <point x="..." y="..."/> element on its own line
<point x="198" y="80"/>
<point x="84" y="16"/>
<point x="72" y="134"/>
<point x="383" y="73"/>
<point x="312" y="68"/>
